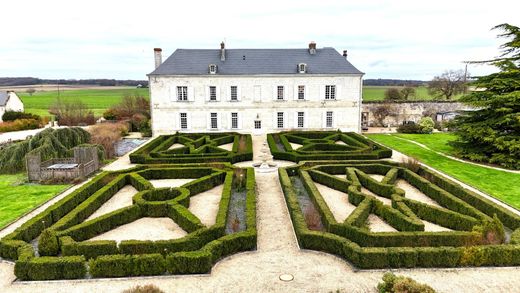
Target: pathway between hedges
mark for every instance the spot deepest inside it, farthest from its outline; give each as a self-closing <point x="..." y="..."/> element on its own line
<point x="278" y="253"/>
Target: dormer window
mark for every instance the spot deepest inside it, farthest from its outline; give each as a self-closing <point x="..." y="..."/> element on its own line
<point x="302" y="68"/>
<point x="212" y="69"/>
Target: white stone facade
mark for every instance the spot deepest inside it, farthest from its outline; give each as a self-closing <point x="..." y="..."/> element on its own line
<point x="12" y="103"/>
<point x="257" y="102"/>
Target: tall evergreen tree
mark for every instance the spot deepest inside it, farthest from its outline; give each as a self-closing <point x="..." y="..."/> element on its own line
<point x="492" y="133"/>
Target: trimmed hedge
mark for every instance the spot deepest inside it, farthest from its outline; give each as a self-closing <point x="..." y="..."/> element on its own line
<point x="51" y="268"/>
<point x="127" y="265"/>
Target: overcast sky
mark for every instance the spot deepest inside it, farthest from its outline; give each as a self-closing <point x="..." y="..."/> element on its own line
<point x="115" y="39"/>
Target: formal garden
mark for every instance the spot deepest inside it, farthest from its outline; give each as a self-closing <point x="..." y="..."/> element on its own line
<point x="147" y="220"/>
<point x="383" y="214"/>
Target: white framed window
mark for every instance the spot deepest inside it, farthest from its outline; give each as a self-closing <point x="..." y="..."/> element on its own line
<point x="280" y="93"/>
<point x="258" y="124"/>
<point x="234" y="93"/>
<point x="329" y="119"/>
<point x="234" y="120"/>
<point x="212" y="93"/>
<point x="182" y="93"/>
<point x="212" y="69"/>
<point x="300" y="120"/>
<point x="213" y="120"/>
<point x="302" y="68"/>
<point x="280" y="119"/>
<point x="301" y="92"/>
<point x="330" y="92"/>
<point x="183" y="120"/>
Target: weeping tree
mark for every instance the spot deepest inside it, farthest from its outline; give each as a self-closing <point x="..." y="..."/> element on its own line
<point x="50" y="143"/>
<point x="492" y="133"/>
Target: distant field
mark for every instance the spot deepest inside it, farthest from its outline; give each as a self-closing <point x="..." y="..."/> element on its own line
<point x="98" y="100"/>
<point x="377" y="93"/>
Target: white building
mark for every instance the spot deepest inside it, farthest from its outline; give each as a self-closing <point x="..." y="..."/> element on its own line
<point x="254" y="90"/>
<point x="9" y="101"/>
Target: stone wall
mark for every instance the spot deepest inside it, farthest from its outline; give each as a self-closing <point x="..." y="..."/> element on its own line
<point x="408" y="111"/>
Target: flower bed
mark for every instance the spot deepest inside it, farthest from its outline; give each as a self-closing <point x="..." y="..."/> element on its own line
<point x="64" y="250"/>
<point x="474" y="235"/>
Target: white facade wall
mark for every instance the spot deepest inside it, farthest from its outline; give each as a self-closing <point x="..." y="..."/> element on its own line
<point x="257" y="100"/>
<point x="14" y="103"/>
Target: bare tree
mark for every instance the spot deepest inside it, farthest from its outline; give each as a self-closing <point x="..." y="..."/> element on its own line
<point x="381" y="112"/>
<point x="30" y="91"/>
<point x="447" y="84"/>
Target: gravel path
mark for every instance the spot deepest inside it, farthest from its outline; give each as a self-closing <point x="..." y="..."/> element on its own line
<point x="227" y="146"/>
<point x="161" y="183"/>
<point x="376" y="177"/>
<point x="121" y="199"/>
<point x="144" y="229"/>
<point x="376" y="224"/>
<point x="205" y="205"/>
<point x="337" y="201"/>
<point x="175" y="146"/>
<point x="295" y="146"/>
<point x="413" y="193"/>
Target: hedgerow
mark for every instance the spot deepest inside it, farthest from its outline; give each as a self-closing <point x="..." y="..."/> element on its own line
<point x="63" y="228"/>
<point x="467" y="215"/>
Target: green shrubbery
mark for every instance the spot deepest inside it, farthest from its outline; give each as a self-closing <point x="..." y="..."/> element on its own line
<point x="401" y="284"/>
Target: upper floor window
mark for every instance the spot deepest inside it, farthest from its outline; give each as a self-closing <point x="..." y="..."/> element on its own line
<point x="302" y="68"/>
<point x="182" y="93"/>
<point x="301" y="92"/>
<point x="279" y="92"/>
<point x="330" y="92"/>
<point x="212" y="93"/>
<point x="212" y="69"/>
<point x="234" y="93"/>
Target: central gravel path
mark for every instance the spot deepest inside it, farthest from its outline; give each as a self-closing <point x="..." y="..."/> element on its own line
<point x="278" y="253"/>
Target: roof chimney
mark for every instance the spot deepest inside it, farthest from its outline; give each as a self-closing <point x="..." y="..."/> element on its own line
<point x="222" y="51"/>
<point x="312" y="48"/>
<point x="158" y="56"/>
<point x="345" y="54"/>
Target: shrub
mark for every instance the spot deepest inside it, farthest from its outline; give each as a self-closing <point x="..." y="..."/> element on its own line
<point x="15" y="115"/>
<point x="107" y="134"/>
<point x="127" y="265"/>
<point x="48" y="243"/>
<point x="411" y="164"/>
<point x="51" y="268"/>
<point x="72" y="113"/>
<point x="492" y="231"/>
<point x="393" y="94"/>
<point x="144" y="289"/>
<point x="426" y="124"/>
<point x="401" y="284"/>
<point x="19" y="124"/>
<point x="409" y="127"/>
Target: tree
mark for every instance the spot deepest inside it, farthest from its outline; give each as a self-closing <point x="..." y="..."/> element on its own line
<point x="492" y="132"/>
<point x="426" y="124"/>
<point x="381" y="112"/>
<point x="30" y="91"/>
<point x="407" y="92"/>
<point x="392" y="94"/>
<point x="447" y="84"/>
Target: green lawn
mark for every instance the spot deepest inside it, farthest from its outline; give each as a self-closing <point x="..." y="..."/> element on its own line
<point x="18" y="197"/>
<point x="377" y="93"/>
<point x="502" y="185"/>
<point x="97" y="100"/>
<point x="437" y="141"/>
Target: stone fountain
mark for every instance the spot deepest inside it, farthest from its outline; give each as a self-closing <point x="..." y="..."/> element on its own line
<point x="267" y="165"/>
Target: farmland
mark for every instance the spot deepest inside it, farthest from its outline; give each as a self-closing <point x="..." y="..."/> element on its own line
<point x="98" y="100"/>
<point x="377" y="93"/>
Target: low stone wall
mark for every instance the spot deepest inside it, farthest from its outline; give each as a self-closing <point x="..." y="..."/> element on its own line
<point x="398" y="112"/>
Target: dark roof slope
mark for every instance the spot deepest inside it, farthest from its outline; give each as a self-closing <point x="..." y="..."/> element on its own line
<point x="4" y="96"/>
<point x="255" y="61"/>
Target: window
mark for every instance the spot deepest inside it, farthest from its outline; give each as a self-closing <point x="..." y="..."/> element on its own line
<point x="213" y="121"/>
<point x="212" y="93"/>
<point x="182" y="93"/>
<point x="234" y="93"/>
<point x="301" y="92"/>
<point x="302" y="67"/>
<point x="234" y="120"/>
<point x="279" y="92"/>
<point x="212" y="69"/>
<point x="279" y="119"/>
<point x="258" y="124"/>
<point x="301" y="120"/>
<point x="329" y="119"/>
<point x="184" y="120"/>
<point x="330" y="92"/>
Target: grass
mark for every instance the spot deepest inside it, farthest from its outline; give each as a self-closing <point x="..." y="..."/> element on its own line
<point x="98" y="100"/>
<point x="18" y="197"/>
<point x="500" y="184"/>
<point x="437" y="141"/>
<point x="377" y="93"/>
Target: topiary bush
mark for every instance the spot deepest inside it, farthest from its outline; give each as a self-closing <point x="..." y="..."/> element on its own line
<point x="48" y="243"/>
<point x="401" y="284"/>
<point x="426" y="124"/>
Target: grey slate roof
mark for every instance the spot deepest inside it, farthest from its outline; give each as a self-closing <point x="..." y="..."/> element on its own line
<point x="257" y="61"/>
<point x="4" y="96"/>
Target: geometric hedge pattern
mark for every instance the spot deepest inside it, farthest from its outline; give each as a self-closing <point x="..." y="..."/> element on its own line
<point x="63" y="228"/>
<point x="324" y="145"/>
<point x="475" y="225"/>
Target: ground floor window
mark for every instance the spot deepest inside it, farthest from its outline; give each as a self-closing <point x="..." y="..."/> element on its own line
<point x="234" y="120"/>
<point x="279" y="120"/>
<point x="301" y="120"/>
<point x="213" y="121"/>
<point x="258" y="124"/>
<point x="329" y="119"/>
<point x="184" y="120"/>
